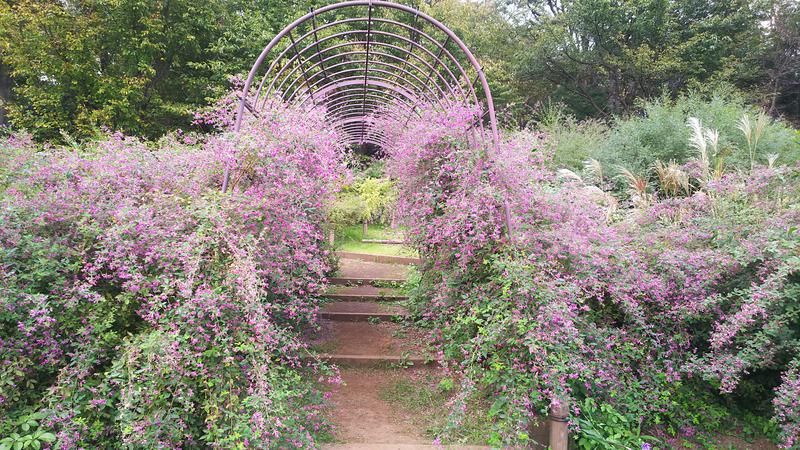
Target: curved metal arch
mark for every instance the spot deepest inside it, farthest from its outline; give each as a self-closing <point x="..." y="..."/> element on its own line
<point x="352" y="102"/>
<point x="298" y="54"/>
<point x="432" y="68"/>
<point x="343" y="63"/>
<point x="369" y="82"/>
<point x="344" y="108"/>
<point x="321" y="63"/>
<point x="378" y="95"/>
<point x="416" y="70"/>
<point x="417" y="32"/>
<point x="375" y="74"/>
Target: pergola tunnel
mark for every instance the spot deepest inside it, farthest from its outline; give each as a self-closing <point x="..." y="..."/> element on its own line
<point x="358" y="60"/>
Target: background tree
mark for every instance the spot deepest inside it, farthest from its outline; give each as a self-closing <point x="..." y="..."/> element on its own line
<point x="599" y="56"/>
<point x="140" y="66"/>
<point x="782" y="59"/>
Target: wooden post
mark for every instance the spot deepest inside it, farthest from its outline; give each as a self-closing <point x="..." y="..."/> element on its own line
<point x="507" y="220"/>
<point x="332" y="236"/>
<point x="364" y="229"/>
<point x="559" y="435"/>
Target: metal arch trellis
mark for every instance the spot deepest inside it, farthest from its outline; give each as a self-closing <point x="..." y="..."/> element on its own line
<point x="392" y="75"/>
<point x="359" y="58"/>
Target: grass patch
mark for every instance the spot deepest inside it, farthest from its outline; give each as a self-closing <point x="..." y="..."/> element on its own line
<point x="348" y="239"/>
<point x="324" y="347"/>
<point x="426" y="398"/>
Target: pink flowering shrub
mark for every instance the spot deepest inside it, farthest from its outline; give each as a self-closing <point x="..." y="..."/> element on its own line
<point x="142" y="307"/>
<point x="637" y="309"/>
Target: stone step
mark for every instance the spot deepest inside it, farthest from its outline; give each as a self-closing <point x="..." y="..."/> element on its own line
<point x="356" y="268"/>
<point x="368" y="344"/>
<point x="376" y="360"/>
<point x="344" y="297"/>
<point x="355" y="311"/>
<point x="365" y="293"/>
<point x="384" y="241"/>
<point x="377" y="446"/>
<point x="357" y="281"/>
<point x="383" y="259"/>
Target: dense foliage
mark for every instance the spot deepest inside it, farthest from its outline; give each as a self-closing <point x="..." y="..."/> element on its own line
<point x="660" y="133"/>
<point x="653" y="287"/>
<point x="70" y="68"/>
<point x="665" y="314"/>
<point x="138" y="66"/>
<point x="142" y="307"/>
<point x="366" y="199"/>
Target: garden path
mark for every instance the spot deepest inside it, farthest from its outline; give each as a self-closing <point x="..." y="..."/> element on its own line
<point x="361" y="335"/>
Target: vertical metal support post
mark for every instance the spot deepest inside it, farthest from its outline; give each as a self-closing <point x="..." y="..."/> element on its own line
<point x="413" y="36"/>
<point x="438" y="60"/>
<point x="507" y="214"/>
<point x="366" y="72"/>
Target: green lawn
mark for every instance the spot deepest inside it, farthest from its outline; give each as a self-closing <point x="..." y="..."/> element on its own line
<point x="348" y="239"/>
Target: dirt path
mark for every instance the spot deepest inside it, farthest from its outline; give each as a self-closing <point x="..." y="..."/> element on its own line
<point x="357" y="333"/>
<point x="362" y="417"/>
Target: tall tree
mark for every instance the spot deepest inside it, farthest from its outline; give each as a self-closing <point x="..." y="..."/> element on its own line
<point x="139" y="66"/>
<point x="782" y="60"/>
<point x="599" y="56"/>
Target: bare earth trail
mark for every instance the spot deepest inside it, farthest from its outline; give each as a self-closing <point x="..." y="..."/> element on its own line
<point x="360" y="335"/>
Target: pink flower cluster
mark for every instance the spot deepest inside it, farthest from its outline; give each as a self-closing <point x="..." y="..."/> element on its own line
<point x="158" y="311"/>
<point x="582" y="300"/>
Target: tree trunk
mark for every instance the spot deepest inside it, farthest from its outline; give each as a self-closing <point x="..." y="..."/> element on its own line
<point x="5" y="92"/>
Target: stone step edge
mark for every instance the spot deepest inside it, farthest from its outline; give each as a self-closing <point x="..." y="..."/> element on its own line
<point x="337" y="316"/>
<point x="383" y="241"/>
<point x="384" y="259"/>
<point x="365" y="297"/>
<point x="359" y="281"/>
<point x="376" y="360"/>
<point x="383" y="446"/>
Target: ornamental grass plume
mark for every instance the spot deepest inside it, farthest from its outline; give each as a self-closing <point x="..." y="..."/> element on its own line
<point x="595" y="169"/>
<point x="700" y="143"/>
<point x="753" y="134"/>
<point x="637" y="187"/>
<point x="672" y="179"/>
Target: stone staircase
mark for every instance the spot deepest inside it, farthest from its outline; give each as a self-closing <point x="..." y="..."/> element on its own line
<point x="362" y="333"/>
<point x="360" y="324"/>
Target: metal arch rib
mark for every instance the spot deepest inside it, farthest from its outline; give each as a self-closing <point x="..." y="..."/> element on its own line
<point x="394" y="36"/>
<point x="441" y="47"/>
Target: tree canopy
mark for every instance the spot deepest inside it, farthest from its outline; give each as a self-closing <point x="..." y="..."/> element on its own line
<point x="142" y="66"/>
